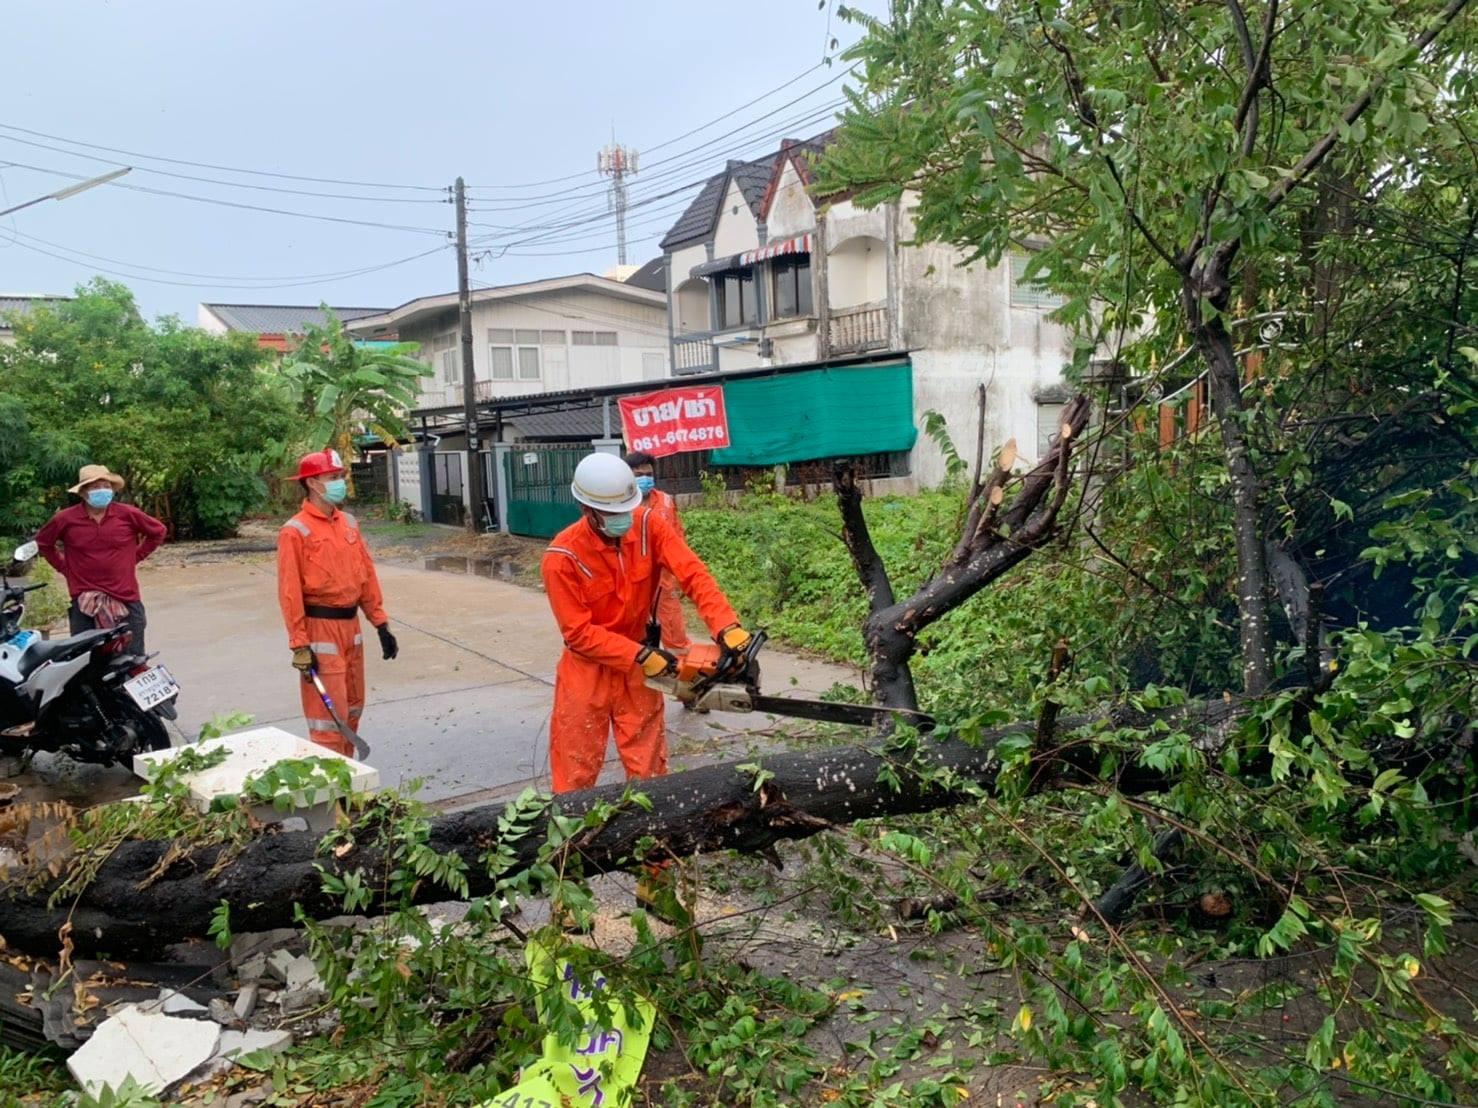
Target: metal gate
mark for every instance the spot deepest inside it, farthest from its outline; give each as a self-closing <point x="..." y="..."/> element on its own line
<point x="446" y="490"/>
<point x="539" y="499"/>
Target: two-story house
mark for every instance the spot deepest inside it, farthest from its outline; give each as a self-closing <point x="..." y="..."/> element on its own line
<point x="761" y="274"/>
<point x="553" y="335"/>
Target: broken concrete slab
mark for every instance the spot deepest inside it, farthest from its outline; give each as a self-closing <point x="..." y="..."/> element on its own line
<point x="300" y="1000"/>
<point x="252" y="969"/>
<point x="236" y="1043"/>
<point x="154" y="1049"/>
<point x="250" y="754"/>
<point x="280" y="963"/>
<point x="246" y="1001"/>
<point x="244" y="947"/>
<point x="174" y="1003"/>
<point x="223" y="1011"/>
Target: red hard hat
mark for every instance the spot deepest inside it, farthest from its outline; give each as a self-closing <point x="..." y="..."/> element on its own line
<point x="318" y="463"/>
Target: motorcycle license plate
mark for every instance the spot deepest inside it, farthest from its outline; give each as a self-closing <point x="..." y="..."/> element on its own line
<point x="152" y="688"/>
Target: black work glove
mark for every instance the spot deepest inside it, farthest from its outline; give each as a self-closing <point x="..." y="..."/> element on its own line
<point x="656" y="662"/>
<point x="388" y="646"/>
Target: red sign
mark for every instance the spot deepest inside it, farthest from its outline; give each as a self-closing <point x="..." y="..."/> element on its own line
<point x="675" y="420"/>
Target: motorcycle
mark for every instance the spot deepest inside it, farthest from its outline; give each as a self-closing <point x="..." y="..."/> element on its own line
<point x="85" y="696"/>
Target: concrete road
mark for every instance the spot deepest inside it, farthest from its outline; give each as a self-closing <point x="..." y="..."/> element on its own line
<point x="465" y="707"/>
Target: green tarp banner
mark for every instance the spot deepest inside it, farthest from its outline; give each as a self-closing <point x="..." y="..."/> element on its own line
<point x="822" y="413"/>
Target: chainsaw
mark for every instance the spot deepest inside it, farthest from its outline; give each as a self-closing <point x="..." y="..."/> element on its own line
<point x="713" y="678"/>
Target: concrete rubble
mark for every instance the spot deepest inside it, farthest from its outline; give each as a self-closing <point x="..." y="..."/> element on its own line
<point x="163" y="1023"/>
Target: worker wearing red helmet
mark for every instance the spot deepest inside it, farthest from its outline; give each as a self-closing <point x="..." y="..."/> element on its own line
<point x="325" y="577"/>
<point x="601" y="574"/>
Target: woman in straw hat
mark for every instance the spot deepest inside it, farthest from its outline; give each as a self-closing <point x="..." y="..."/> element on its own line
<point x="97" y="544"/>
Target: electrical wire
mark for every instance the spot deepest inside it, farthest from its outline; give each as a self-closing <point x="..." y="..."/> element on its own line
<point x="222" y="168"/>
<point x="237" y="204"/>
<point x="516" y="202"/>
<point x="672" y="141"/>
<point x="215" y="284"/>
<point x="230" y="184"/>
<point x="17" y="234"/>
<point x="597" y="213"/>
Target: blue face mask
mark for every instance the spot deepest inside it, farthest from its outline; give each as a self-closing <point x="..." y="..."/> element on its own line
<point x="336" y="491"/>
<point x="616" y="525"/>
<point x="99" y="498"/>
<point x="646" y="484"/>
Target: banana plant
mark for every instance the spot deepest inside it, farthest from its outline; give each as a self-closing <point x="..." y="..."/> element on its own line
<point x="345" y="385"/>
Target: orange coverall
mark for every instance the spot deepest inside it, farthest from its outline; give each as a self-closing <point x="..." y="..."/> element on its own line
<point x="322" y="561"/>
<point x="670" y="604"/>
<point x="602" y="599"/>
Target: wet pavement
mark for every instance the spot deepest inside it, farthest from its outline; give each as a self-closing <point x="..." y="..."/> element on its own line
<point x="465" y="707"/>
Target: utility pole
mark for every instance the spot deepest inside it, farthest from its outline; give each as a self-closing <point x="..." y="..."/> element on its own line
<point x="618" y="163"/>
<point x="469" y="377"/>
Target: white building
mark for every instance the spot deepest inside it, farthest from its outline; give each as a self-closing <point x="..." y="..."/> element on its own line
<point x="563" y="333"/>
<point x="759" y="274"/>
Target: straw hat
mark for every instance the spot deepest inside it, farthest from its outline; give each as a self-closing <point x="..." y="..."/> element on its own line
<point x="88" y="474"/>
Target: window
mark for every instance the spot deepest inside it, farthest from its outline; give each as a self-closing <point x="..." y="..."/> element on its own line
<point x="552" y="338"/>
<point x="504" y="359"/>
<point x="1029" y="294"/>
<point x="593" y="338"/>
<point x="792" y="285"/>
<point x="1049" y="422"/>
<point x="447" y="353"/>
<point x="737" y="305"/>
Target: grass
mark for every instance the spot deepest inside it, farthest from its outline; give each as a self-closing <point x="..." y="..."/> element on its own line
<point x="30" y="1078"/>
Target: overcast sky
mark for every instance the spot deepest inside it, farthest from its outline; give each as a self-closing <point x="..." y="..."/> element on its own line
<point x="510" y="96"/>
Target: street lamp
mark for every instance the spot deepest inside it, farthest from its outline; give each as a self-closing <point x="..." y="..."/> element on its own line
<point x="72" y="190"/>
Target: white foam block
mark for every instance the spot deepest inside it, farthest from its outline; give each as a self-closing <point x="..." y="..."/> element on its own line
<point x="250" y="754"/>
<point x="154" y="1049"/>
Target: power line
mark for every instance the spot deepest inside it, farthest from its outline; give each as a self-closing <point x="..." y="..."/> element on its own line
<point x="238" y="204"/>
<point x="597" y="212"/>
<point x="228" y="184"/>
<point x="221" y="168"/>
<point x="217" y="284"/>
<point x="672" y="141"/>
<point x="580" y="191"/>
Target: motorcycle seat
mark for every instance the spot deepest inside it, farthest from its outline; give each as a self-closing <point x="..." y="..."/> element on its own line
<point x="60" y="650"/>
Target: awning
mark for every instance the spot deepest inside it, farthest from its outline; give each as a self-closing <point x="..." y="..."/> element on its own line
<point x="822" y="413"/>
<point x="801" y="244"/>
<point x="718" y="265"/>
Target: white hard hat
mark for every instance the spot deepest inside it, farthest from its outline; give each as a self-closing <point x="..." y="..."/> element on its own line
<point x="604" y="482"/>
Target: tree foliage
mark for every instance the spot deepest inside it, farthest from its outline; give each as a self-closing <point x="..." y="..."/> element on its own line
<point x="344" y="385"/>
<point x="192" y="421"/>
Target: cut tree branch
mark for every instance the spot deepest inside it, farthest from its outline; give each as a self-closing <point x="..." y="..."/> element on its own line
<point x="123" y="915"/>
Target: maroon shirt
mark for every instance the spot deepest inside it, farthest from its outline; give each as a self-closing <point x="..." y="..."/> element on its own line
<point x="100" y="554"/>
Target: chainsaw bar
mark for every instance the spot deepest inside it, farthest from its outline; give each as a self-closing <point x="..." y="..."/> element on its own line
<point x="855" y="715"/>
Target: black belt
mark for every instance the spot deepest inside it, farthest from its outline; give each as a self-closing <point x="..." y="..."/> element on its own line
<point x="321" y="611"/>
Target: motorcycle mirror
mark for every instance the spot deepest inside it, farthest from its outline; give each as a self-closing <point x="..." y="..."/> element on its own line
<point x="25" y="552"/>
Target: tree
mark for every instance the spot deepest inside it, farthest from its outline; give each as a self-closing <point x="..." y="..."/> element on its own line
<point x="1162" y="162"/>
<point x="191" y="420"/>
<point x="345" y="384"/>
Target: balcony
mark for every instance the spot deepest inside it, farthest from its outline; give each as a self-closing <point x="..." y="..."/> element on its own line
<point x="693" y="353"/>
<point x="858" y="329"/>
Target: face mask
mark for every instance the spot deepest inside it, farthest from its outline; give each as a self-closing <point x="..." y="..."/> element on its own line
<point x="336" y="491"/>
<point x="99" y="498"/>
<point x="616" y="525"/>
<point x="646" y="484"/>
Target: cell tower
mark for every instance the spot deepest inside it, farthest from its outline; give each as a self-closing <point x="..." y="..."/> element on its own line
<point x="618" y="163"/>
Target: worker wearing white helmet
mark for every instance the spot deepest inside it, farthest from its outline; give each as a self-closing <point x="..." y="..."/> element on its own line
<point x="601" y="575"/>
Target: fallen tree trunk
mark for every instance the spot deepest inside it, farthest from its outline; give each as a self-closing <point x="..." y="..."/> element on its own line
<point x="708" y="809"/>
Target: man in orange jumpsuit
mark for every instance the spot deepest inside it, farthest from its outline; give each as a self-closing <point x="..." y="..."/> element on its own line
<point x="669" y="601"/>
<point x="600" y="574"/>
<point x="324" y="577"/>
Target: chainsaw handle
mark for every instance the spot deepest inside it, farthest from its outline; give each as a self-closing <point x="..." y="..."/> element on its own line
<point x="733" y="663"/>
